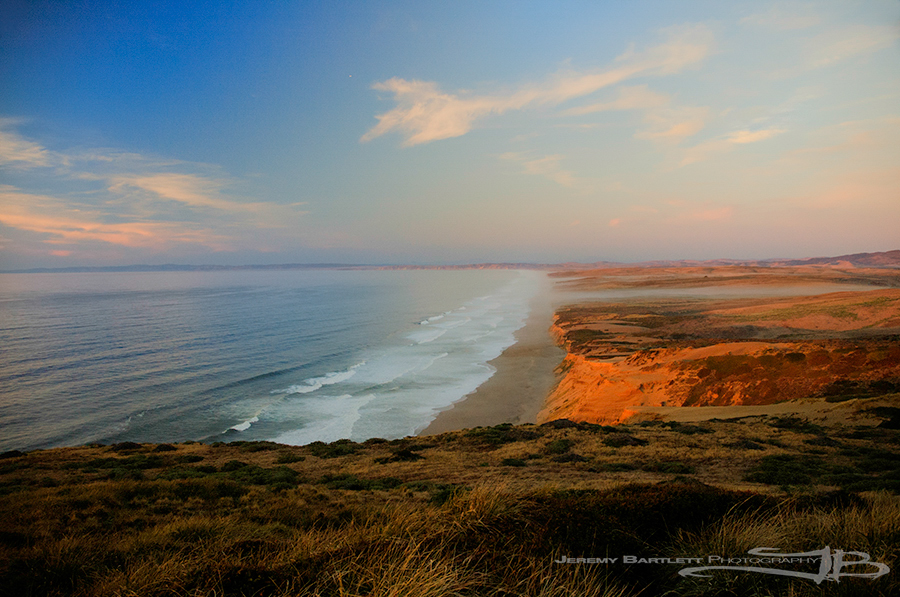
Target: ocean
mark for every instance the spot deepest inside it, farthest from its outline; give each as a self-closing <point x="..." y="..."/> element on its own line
<point x="291" y="356"/>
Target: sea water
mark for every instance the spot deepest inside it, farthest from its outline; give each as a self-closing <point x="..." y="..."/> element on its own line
<point x="292" y="356"/>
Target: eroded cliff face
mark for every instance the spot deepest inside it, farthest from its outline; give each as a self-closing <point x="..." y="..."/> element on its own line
<point x="603" y="392"/>
<point x="706" y="353"/>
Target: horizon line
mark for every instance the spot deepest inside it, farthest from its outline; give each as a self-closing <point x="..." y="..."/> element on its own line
<point x="172" y="267"/>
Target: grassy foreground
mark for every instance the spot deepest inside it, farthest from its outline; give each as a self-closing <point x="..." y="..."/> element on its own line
<point x="486" y="511"/>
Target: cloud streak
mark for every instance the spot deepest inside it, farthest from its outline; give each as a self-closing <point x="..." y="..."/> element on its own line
<point x="671" y="125"/>
<point x="19" y="152"/>
<point x="548" y="166"/>
<point x="424" y="113"/>
<point x="59" y="224"/>
<point x="834" y="46"/>
<point x="719" y="145"/>
<point x="638" y="97"/>
<point x="129" y="200"/>
<point x="784" y="20"/>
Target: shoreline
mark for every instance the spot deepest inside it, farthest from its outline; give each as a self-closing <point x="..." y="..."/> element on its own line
<point x="523" y="379"/>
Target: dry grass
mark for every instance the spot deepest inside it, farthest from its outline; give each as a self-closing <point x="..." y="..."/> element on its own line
<point x="351" y="519"/>
<point x="871" y="525"/>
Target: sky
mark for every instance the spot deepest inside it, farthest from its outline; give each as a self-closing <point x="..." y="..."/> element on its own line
<point x="446" y="132"/>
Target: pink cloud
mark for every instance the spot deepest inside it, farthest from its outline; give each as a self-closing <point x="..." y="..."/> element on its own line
<point x="17" y="151"/>
<point x="424" y="113"/>
<point x="46" y="216"/>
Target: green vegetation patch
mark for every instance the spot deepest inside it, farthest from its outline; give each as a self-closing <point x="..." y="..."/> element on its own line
<point x="622" y="439"/>
<point x="289" y="458"/>
<point x="257" y="446"/>
<point x="570" y="457"/>
<point x="192" y="472"/>
<point x="745" y="444"/>
<point x="796" y="424"/>
<point x="207" y="489"/>
<point x="823" y="440"/>
<point x="613" y="467"/>
<point x="276" y="477"/>
<point x="497" y="435"/>
<point x="130" y="467"/>
<point x="236" y="471"/>
<point x="845" y="389"/>
<point x="558" y="446"/>
<point x="788" y="469"/>
<point x="798" y="311"/>
<point x="354" y="483"/>
<point x="512" y="462"/>
<point x="581" y="337"/>
<point x="126" y="447"/>
<point x="669" y="467"/>
<point x="401" y="455"/>
<point x="341" y="447"/>
<point x="685" y="428"/>
<point x="165" y="448"/>
<point x="188" y="458"/>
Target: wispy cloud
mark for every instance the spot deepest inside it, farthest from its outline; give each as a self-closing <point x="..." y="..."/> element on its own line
<point x="834" y="44"/>
<point x="58" y="223"/>
<point x="785" y="19"/>
<point x="724" y="144"/>
<point x="547" y="166"/>
<point x="666" y="124"/>
<point x="741" y="137"/>
<point x="205" y="194"/>
<point x="672" y="125"/>
<point x="128" y="200"/>
<point x="862" y="140"/>
<point x="424" y="113"/>
<point x="20" y="152"/>
<point x="638" y="97"/>
<point x="840" y="44"/>
<point x="190" y="189"/>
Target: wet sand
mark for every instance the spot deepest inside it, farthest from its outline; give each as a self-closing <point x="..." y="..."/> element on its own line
<point x="523" y="379"/>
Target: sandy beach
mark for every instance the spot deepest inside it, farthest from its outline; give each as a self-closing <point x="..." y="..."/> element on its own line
<point x="523" y="379"/>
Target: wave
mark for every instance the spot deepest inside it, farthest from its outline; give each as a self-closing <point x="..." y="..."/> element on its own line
<point x="398" y="387"/>
<point x="314" y="383"/>
<point x="426" y="336"/>
<point x="245" y="425"/>
<point x="333" y="418"/>
<point x="434" y="318"/>
<point x="391" y="367"/>
<point x="252" y="380"/>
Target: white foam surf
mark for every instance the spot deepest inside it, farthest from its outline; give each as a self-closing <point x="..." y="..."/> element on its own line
<point x="245" y="425"/>
<point x="316" y="383"/>
<point x="398" y="390"/>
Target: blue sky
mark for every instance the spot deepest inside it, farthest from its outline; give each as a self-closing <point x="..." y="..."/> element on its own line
<point x="410" y="132"/>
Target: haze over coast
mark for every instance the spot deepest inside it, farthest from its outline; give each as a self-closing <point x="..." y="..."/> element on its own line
<point x="883" y="259"/>
<point x="432" y="134"/>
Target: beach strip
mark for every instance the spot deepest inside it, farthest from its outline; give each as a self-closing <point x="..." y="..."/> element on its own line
<point x="523" y="379"/>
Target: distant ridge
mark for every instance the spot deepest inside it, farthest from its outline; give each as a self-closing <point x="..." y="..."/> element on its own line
<point x="884" y="259"/>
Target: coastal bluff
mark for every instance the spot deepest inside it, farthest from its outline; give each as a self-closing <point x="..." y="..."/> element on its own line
<point x="645" y="357"/>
